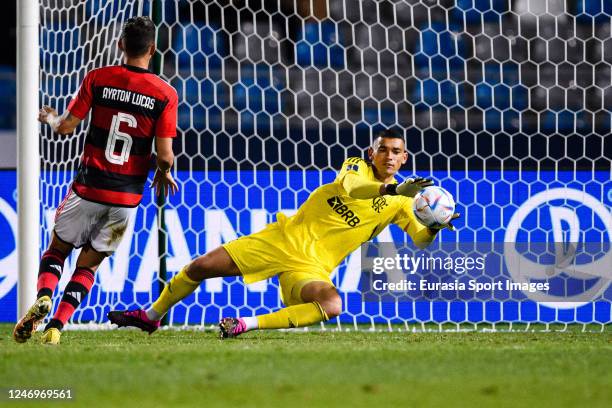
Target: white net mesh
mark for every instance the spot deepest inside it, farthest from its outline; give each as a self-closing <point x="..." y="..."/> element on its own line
<point x="499" y="100"/>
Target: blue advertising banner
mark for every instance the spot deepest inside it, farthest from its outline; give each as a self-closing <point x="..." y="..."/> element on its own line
<point x="216" y="207"/>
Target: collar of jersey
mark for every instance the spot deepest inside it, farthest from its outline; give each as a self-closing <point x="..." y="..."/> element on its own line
<point x="373" y="178"/>
<point x="135" y="69"/>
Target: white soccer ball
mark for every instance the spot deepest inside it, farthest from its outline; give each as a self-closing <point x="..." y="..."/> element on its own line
<point x="433" y="206"/>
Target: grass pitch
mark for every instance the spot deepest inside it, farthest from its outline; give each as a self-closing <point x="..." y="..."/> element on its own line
<point x="269" y="369"/>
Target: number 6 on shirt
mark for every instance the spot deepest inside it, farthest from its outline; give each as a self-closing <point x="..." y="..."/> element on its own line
<point x="115" y="135"/>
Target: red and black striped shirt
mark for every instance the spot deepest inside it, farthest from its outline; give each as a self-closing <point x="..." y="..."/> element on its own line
<point x="130" y="106"/>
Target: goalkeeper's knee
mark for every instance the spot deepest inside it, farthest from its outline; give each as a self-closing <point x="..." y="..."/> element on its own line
<point x="330" y="302"/>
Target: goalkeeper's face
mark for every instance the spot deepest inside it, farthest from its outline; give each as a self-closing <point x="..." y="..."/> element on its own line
<point x="388" y="155"/>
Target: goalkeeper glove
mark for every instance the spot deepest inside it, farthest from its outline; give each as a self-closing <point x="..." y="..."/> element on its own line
<point x="409" y="187"/>
<point x="448" y="225"/>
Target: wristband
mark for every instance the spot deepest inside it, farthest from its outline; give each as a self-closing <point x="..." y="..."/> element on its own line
<point x="391" y="189"/>
<point x="53" y="121"/>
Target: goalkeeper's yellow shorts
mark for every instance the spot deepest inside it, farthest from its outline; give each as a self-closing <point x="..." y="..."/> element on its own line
<point x="266" y="253"/>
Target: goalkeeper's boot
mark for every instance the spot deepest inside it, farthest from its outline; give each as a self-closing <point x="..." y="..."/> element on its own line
<point x="134" y="318"/>
<point x="27" y="325"/>
<point x="231" y="327"/>
<point x="51" y="336"/>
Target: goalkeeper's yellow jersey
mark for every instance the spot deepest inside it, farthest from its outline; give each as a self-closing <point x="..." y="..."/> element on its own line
<point x="330" y="224"/>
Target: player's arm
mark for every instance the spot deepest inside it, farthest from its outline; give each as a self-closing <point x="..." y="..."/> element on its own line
<point x="163" y="182"/>
<point x="64" y="124"/>
<point x="359" y="187"/>
<point x="353" y="178"/>
<point x="421" y="235"/>
<point x="165" y="132"/>
<point x="355" y="182"/>
<point x="78" y="109"/>
<point x="165" y="155"/>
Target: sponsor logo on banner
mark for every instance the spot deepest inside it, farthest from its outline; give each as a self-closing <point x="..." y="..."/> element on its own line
<point x="8" y="264"/>
<point x="562" y="205"/>
<point x="131" y="274"/>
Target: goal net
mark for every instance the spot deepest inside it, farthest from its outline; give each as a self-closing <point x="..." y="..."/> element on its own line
<point x="506" y="104"/>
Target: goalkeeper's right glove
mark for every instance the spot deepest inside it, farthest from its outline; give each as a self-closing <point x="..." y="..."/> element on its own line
<point x="409" y="187"/>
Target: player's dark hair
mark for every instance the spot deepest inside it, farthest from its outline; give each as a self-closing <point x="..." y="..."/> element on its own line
<point x="389" y="134"/>
<point x="138" y="34"/>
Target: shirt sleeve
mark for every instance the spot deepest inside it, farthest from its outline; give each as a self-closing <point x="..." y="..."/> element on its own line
<point x="353" y="165"/>
<point x="405" y="219"/>
<point x="79" y="105"/>
<point x="360" y="188"/>
<point x="166" y="123"/>
<point x="353" y="177"/>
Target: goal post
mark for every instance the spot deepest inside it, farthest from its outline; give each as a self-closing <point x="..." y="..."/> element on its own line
<point x="506" y="104"/>
<point x="28" y="161"/>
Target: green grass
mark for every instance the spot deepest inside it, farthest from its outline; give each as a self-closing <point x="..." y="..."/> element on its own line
<point x="190" y="368"/>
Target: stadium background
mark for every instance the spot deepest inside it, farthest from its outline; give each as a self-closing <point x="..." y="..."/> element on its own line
<point x="500" y="100"/>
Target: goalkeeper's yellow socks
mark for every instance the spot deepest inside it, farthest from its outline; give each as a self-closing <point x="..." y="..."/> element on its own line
<point x="292" y="316"/>
<point x="179" y="287"/>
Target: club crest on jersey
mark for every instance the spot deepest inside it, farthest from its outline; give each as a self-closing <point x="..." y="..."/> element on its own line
<point x="342" y="209"/>
<point x="379" y="203"/>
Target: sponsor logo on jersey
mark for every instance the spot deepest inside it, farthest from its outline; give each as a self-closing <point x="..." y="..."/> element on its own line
<point x="343" y="211"/>
<point x="379" y="203"/>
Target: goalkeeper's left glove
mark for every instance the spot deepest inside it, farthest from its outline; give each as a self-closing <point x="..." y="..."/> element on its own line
<point x="409" y="187"/>
<point x="449" y="225"/>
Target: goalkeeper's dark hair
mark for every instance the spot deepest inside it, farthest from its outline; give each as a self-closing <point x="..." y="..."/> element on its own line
<point x="138" y="34"/>
<point x="388" y="134"/>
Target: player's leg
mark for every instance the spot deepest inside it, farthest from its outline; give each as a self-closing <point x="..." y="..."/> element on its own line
<point x="214" y="264"/>
<point x="75" y="292"/>
<point x="309" y="300"/>
<point x="99" y="229"/>
<point x="319" y="302"/>
<point x="49" y="273"/>
<point x="254" y="256"/>
<point x="51" y="266"/>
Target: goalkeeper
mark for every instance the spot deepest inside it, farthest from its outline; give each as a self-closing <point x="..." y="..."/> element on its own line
<point x="304" y="249"/>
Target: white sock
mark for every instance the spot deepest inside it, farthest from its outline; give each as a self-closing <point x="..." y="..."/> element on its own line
<point x="153" y="315"/>
<point x="251" y="322"/>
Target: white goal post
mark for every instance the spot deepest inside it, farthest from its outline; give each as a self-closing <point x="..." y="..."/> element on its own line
<point x="28" y="246"/>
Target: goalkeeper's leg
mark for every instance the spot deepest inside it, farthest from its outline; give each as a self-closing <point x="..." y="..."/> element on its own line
<point x="321" y="302"/>
<point x="214" y="264"/>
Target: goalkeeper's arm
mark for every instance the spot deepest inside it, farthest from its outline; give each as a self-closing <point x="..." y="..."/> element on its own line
<point x="63" y="125"/>
<point x="360" y="188"/>
<point x="421" y="236"/>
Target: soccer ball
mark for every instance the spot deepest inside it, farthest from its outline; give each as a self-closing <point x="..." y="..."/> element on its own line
<point x="433" y="206"/>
